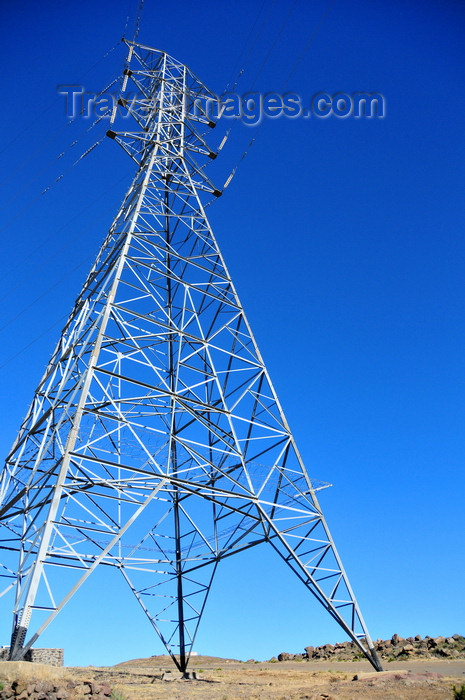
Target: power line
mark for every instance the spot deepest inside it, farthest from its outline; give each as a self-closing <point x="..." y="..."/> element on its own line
<point x="307" y="46"/>
<point x="44" y="293"/>
<point x="267" y="57"/>
<point x="250" y="34"/>
<point x="21" y="133"/>
<point x="25" y="347"/>
<point x="33" y="252"/>
<point x="138" y="19"/>
<point x="53" y="136"/>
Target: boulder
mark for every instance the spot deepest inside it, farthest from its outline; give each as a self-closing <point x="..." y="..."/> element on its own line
<point x="395" y="648"/>
<point x="407" y="649"/>
<point x="62" y="693"/>
<point x="43" y="687"/>
<point x="445" y="652"/>
<point x="20" y="686"/>
<point x="23" y="695"/>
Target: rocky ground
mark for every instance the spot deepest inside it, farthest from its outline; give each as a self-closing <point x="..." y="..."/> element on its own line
<point x="213" y="678"/>
<point x="394" y="649"/>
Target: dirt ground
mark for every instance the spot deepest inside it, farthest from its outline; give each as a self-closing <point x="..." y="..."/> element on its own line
<point x="224" y="679"/>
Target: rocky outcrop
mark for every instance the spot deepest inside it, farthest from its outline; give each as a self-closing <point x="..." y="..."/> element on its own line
<point x="49" y="690"/>
<point x="396" y="648"/>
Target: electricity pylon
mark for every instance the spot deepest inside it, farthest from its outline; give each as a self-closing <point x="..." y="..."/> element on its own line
<point x="155" y="442"/>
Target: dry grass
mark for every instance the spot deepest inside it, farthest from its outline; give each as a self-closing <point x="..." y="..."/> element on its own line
<point x="23" y="670"/>
<point x="227" y="679"/>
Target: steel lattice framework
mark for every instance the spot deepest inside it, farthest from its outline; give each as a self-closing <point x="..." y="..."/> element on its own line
<point x="155" y="442"/>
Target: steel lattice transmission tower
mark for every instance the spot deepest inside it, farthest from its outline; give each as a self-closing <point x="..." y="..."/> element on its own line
<point x="155" y="442"/>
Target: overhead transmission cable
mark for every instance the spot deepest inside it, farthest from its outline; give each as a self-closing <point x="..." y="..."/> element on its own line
<point x="44" y="293"/>
<point x="272" y="48"/>
<point x="235" y="76"/>
<point x="136" y="33"/>
<point x="21" y="133"/>
<point x="49" y="187"/>
<point x="55" y="284"/>
<point x="138" y="19"/>
<point x="307" y="46"/>
<point x="61" y="129"/>
<point x="128" y="18"/>
<point x="61" y="176"/>
<point x="43" y="242"/>
<point x="54" y="135"/>
<point x="32" y="342"/>
<point x="267" y="57"/>
<point x="242" y="70"/>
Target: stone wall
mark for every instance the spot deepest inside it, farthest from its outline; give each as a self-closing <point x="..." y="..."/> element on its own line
<point x="52" y="657"/>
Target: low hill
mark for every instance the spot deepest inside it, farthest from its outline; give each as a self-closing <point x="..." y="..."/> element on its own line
<point x="164" y="661"/>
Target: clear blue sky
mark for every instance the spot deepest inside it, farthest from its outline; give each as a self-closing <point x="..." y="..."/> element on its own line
<point x="345" y="241"/>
